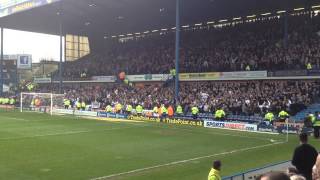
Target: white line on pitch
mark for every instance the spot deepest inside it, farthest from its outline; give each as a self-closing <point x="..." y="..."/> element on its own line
<point x="21" y="119"/>
<point x="14" y="118"/>
<point x="59" y="134"/>
<point x="216" y="133"/>
<point x="184" y="161"/>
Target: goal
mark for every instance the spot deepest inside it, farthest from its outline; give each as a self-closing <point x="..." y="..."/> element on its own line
<point x="41" y="102"/>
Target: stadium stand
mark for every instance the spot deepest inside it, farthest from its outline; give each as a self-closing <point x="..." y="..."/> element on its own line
<point x="235" y="97"/>
<point x="258" y="45"/>
<point x="246" y="46"/>
<point x="302" y="114"/>
<point x="252" y="44"/>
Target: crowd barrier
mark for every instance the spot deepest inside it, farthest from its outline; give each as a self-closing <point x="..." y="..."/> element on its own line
<point x="63" y="111"/>
<point x="293" y="128"/>
<point x="252" y="174"/>
<point x="251" y="126"/>
<point x="7" y="107"/>
<point x="112" y="115"/>
<point x="89" y="113"/>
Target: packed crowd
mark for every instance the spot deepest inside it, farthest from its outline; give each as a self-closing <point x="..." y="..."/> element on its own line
<point x="235" y="97"/>
<point x="257" y="45"/>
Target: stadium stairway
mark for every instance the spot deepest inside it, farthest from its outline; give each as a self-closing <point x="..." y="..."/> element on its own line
<point x="302" y="114"/>
<point x="168" y="81"/>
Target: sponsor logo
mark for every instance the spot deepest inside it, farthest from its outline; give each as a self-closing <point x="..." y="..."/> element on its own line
<point x="244" y="74"/>
<point x="266" y="129"/>
<point x="102" y="114"/>
<point x="41" y="80"/>
<point x="63" y="111"/>
<point x="230" y="125"/>
<point x="290" y="130"/>
<point x="85" y="113"/>
<point x="147" y="77"/>
<point x="121" y="116"/>
<point x="214" y="124"/>
<point x="296" y="125"/>
<point x="112" y="115"/>
<point x="235" y="126"/>
<point x="104" y="78"/>
<point x="182" y="121"/>
<point x="199" y="76"/>
<point x="169" y="121"/>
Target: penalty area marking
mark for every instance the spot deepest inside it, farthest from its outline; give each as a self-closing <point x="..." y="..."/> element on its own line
<point x="184" y="161"/>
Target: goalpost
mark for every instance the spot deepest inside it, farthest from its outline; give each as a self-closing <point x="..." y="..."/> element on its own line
<point x="40" y="102"/>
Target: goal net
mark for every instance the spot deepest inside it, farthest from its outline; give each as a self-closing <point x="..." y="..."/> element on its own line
<point x="41" y="102"/>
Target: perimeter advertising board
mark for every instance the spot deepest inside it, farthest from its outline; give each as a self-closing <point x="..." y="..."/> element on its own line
<point x="293" y="128"/>
<point x="244" y="74"/>
<point x="63" y="111"/>
<point x="168" y="120"/>
<point x="112" y="115"/>
<point x="210" y="76"/>
<point x="40" y="80"/>
<point x="104" y="78"/>
<point x="147" y="77"/>
<point x="85" y="113"/>
<point x="230" y="125"/>
<point x="199" y="76"/>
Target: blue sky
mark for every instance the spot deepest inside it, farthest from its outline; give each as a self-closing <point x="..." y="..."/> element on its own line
<point x="38" y="45"/>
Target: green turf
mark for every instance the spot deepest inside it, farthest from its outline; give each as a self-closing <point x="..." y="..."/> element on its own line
<point x="39" y="146"/>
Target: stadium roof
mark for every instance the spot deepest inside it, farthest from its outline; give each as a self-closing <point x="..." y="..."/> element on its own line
<point x="114" y="17"/>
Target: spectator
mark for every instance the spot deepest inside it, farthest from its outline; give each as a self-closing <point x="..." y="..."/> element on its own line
<point x="234" y="97"/>
<point x="304" y="157"/>
<point x="214" y="173"/>
<point x="274" y="176"/>
<point x="297" y="177"/>
<point x="316" y="169"/>
<point x="292" y="171"/>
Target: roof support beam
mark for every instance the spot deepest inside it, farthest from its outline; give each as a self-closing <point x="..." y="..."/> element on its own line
<point x="177" y="50"/>
<point x="1" y="64"/>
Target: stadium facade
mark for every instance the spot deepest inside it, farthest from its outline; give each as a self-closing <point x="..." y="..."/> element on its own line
<point x="101" y="23"/>
<point x="102" y="20"/>
<point x="99" y="26"/>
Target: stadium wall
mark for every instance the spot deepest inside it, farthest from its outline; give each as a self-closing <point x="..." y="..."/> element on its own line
<point x="238" y="125"/>
<point x="189" y="77"/>
<point x="97" y="44"/>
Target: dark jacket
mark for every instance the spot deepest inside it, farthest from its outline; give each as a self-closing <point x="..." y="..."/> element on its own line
<point x="304" y="158"/>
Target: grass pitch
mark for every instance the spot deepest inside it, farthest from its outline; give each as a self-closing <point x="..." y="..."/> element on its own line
<point x="39" y="146"/>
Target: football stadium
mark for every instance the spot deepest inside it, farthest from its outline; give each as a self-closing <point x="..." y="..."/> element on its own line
<point x="162" y="89"/>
